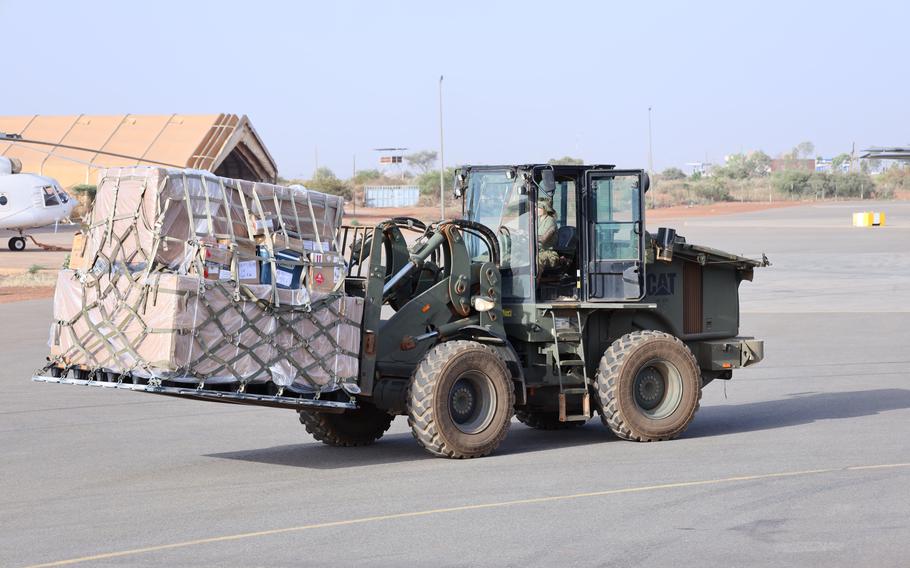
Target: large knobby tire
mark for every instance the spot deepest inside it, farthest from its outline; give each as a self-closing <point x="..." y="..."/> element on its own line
<point x="359" y="427"/>
<point x="545" y="420"/>
<point x="460" y="400"/>
<point x="649" y="386"/>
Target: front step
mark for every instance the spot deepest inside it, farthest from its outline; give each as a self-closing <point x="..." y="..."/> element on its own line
<point x="585" y="406"/>
<point x="569" y="336"/>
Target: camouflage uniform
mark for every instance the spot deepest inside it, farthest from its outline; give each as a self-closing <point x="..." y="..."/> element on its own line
<point x="546" y="237"/>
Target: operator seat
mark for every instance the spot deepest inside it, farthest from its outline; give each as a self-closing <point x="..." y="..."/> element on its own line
<point x="567" y="242"/>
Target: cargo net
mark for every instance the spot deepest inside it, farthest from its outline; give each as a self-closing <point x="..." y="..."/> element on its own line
<point x="186" y="277"/>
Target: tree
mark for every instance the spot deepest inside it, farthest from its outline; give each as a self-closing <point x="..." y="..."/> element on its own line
<point x="85" y="191"/>
<point x="792" y="182"/>
<point x="324" y="173"/>
<point x="673" y="173"/>
<point x="565" y="161"/>
<point x="743" y="166"/>
<point x="364" y="176"/>
<point x="839" y="160"/>
<point x="422" y="160"/>
<point x="893" y="179"/>
<point x="712" y="189"/>
<point x="804" y="149"/>
<point x="853" y="184"/>
<point x="324" y="180"/>
<point x="759" y="164"/>
<point x="429" y="184"/>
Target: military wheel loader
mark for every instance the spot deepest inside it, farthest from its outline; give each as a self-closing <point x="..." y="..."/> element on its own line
<point x="548" y="300"/>
<point x="465" y="325"/>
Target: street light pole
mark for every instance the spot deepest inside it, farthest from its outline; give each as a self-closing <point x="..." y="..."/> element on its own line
<point x="650" y="154"/>
<point x="442" y="161"/>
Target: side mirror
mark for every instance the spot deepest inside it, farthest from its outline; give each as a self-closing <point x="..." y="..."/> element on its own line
<point x="461" y="183"/>
<point x="547" y="182"/>
<point x="645" y="182"/>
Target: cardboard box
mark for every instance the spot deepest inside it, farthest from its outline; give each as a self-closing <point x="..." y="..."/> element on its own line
<point x="326" y="270"/>
<point x="218" y="262"/>
<point x="287" y="276"/>
<point x="259" y="225"/>
<point x="248" y="265"/>
<point x="78" y="260"/>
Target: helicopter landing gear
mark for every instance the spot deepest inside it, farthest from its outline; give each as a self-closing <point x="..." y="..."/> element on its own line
<point x="17" y="244"/>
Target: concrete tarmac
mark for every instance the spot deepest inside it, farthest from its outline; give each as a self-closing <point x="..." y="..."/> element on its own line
<point x="803" y="460"/>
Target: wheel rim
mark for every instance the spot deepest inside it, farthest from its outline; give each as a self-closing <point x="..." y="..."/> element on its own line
<point x="472" y="402"/>
<point x="657" y="389"/>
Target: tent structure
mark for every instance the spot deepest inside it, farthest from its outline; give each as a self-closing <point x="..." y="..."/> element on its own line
<point x="225" y="144"/>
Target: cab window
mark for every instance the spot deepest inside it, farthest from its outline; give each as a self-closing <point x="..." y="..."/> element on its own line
<point x="50" y="196"/>
<point x="616" y="207"/>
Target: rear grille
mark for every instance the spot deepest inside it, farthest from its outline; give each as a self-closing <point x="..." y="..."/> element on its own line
<point x="693" y="308"/>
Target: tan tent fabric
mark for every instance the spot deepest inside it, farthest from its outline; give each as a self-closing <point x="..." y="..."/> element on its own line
<point x="225" y="144"/>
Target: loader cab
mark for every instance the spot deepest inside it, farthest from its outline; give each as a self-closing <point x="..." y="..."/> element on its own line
<point x="567" y="234"/>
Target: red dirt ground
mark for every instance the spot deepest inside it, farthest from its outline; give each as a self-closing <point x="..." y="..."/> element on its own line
<point x="19" y="293"/>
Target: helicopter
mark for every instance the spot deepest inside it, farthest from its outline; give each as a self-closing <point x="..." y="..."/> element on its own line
<point x="28" y="201"/>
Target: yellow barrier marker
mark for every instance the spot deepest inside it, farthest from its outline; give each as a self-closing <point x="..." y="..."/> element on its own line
<point x="869" y="219"/>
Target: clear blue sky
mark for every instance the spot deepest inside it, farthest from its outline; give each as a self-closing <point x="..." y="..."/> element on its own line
<point x="524" y="81"/>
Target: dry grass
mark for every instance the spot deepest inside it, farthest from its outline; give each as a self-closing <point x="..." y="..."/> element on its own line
<point x="25" y="279"/>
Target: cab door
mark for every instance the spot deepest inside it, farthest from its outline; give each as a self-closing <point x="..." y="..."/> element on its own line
<point x="615" y="235"/>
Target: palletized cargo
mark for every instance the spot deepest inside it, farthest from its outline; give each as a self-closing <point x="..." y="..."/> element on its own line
<point x="167" y="287"/>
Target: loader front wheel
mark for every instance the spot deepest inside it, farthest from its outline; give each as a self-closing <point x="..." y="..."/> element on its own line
<point x="460" y="400"/>
<point x="649" y="386"/>
<point x="359" y="427"/>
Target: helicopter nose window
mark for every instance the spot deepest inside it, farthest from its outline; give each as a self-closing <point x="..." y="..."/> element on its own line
<point x="3" y="200"/>
<point x="51" y="197"/>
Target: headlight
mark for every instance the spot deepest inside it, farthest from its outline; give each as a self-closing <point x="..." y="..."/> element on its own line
<point x="483" y="303"/>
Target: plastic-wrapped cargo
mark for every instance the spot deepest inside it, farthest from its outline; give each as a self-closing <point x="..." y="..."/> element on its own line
<point x="176" y="282"/>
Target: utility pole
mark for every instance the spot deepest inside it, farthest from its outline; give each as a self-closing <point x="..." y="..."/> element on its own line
<point x="442" y="161"/>
<point x="650" y="154"/>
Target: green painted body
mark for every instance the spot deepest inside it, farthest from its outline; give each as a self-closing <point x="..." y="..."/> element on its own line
<point x="422" y="292"/>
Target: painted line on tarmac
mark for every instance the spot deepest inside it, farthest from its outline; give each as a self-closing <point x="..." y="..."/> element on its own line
<point x="480" y="506"/>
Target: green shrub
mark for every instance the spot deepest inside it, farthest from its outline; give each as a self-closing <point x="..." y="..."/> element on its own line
<point x="712" y="189"/>
<point x="792" y="182"/>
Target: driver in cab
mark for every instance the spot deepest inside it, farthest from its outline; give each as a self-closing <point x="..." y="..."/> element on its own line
<point x="547" y="257"/>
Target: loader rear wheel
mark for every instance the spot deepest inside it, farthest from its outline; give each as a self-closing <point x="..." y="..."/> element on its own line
<point x="649" y="386"/>
<point x="359" y="427"/>
<point x="460" y="400"/>
<point x="545" y="420"/>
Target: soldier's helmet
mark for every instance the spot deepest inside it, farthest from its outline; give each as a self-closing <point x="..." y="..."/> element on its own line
<point x="546" y="203"/>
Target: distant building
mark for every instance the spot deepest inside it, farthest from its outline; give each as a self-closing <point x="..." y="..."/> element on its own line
<point x="391" y="195"/>
<point x="826" y="165"/>
<point x="782" y="164"/>
<point x="700" y="168"/>
<point x="225" y="144"/>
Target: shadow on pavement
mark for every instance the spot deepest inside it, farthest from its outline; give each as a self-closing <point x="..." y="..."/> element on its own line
<point x="395" y="448"/>
<point x="801" y="408"/>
